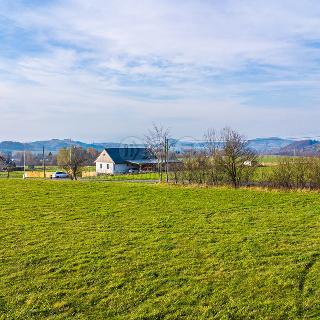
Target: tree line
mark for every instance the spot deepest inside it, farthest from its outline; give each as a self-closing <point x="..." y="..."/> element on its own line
<point x="227" y="159"/>
<point x="72" y="160"/>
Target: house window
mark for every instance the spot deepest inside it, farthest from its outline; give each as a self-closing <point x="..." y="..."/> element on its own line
<point x="100" y="165"/>
<point x="107" y="165"/>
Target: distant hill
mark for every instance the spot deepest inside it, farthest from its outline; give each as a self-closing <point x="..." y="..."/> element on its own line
<point x="271" y="145"/>
<point x="303" y="147"/>
<point x="50" y="145"/>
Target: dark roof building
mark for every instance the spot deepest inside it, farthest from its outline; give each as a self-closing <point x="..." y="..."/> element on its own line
<point x="120" y="160"/>
<point x="122" y="155"/>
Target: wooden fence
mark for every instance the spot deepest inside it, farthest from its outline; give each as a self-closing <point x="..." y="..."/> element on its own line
<point x="86" y="174"/>
<point x="37" y="174"/>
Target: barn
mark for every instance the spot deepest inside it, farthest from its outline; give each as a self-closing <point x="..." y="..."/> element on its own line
<point x="121" y="160"/>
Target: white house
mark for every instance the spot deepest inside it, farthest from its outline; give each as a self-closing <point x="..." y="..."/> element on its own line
<point x="121" y="160"/>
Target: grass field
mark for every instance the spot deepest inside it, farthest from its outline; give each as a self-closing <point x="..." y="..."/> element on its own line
<point x="269" y="159"/>
<point x="136" y="176"/>
<point x="14" y="174"/>
<point x="272" y="159"/>
<point x="121" y="177"/>
<point x="89" y="250"/>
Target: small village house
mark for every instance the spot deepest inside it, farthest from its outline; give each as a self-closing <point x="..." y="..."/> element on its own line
<point x="123" y="160"/>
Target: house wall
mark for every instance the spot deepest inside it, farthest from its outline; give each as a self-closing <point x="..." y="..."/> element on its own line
<point x="102" y="168"/>
<point x="105" y="167"/>
<point x="104" y="157"/>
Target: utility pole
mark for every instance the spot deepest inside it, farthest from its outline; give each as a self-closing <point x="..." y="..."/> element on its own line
<point x="70" y="156"/>
<point x="24" y="163"/>
<point x="43" y="163"/>
<point x="167" y="158"/>
<point x="71" y="166"/>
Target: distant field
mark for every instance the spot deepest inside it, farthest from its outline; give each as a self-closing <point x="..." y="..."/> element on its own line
<point x="261" y="174"/>
<point x="135" y="176"/>
<point x="57" y="168"/>
<point x="19" y="174"/>
<point x="78" y="250"/>
<point x="272" y="159"/>
<point x="14" y="174"/>
<point x="269" y="159"/>
<point x="138" y="176"/>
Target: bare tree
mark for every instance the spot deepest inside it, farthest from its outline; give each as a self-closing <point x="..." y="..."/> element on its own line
<point x="176" y="168"/>
<point x="51" y="159"/>
<point x="213" y="150"/>
<point x="210" y="142"/>
<point x="92" y="156"/>
<point x="7" y="164"/>
<point x="72" y="160"/>
<point x="237" y="160"/>
<point x="157" y="141"/>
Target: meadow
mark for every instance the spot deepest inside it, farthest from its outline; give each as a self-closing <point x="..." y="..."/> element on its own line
<point x="261" y="173"/>
<point x="127" y="176"/>
<point x="103" y="250"/>
<point x="270" y="159"/>
<point x="14" y="174"/>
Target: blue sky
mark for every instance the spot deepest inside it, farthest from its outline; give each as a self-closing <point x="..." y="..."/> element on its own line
<point x="103" y="70"/>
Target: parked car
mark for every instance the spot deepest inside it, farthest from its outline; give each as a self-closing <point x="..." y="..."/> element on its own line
<point x="133" y="170"/>
<point x="60" y="175"/>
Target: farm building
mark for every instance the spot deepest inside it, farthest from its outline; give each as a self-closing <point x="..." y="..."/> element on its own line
<point x="122" y="160"/>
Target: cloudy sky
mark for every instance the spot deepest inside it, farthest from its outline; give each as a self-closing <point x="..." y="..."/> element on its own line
<point x="101" y="70"/>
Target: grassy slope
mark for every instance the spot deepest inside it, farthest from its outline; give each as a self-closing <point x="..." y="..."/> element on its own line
<point x="129" y="251"/>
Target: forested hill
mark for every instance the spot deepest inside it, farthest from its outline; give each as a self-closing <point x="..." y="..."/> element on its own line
<point x="50" y="145"/>
<point x="272" y="145"/>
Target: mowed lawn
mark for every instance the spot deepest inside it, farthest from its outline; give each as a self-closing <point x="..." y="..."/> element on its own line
<point x="90" y="250"/>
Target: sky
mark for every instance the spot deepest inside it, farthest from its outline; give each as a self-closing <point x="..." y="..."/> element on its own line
<point x="104" y="70"/>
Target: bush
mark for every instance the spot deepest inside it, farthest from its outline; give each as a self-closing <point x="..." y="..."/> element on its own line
<point x="298" y="173"/>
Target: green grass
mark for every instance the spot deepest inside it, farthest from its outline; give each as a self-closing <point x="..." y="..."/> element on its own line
<point x="272" y="159"/>
<point x="92" y="250"/>
<point x="269" y="159"/>
<point x="14" y="174"/>
<point x="133" y="176"/>
<point x="57" y="168"/>
<point x="119" y="177"/>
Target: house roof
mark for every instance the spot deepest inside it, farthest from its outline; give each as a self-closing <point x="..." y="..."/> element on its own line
<point x="150" y="161"/>
<point x="143" y="161"/>
<point x="122" y="155"/>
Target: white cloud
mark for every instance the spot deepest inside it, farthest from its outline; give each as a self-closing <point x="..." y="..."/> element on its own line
<point x="115" y="66"/>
